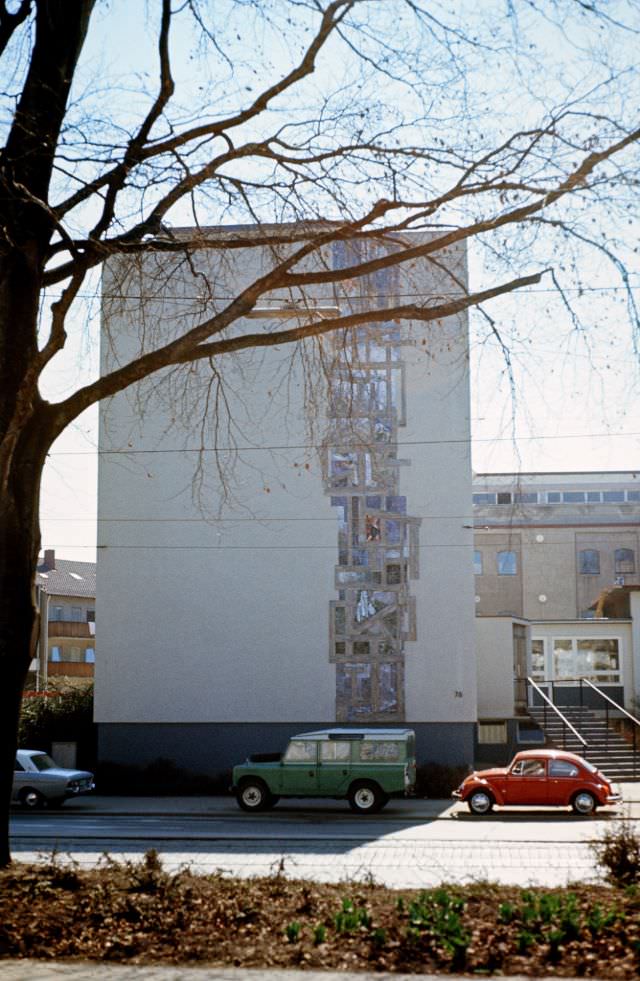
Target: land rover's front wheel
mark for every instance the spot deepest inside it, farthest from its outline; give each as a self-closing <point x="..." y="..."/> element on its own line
<point x="366" y="798"/>
<point x="253" y="795"/>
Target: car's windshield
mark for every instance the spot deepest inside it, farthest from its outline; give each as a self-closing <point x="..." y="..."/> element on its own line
<point x="42" y="762"/>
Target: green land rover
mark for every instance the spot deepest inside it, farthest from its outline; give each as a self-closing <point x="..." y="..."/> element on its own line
<point x="365" y="766"/>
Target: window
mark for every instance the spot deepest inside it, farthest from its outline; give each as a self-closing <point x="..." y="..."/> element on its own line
<point x="484" y="498"/>
<point x="90" y="656"/>
<point x="529" y="768"/>
<point x="379" y="752"/>
<point x="19" y="767"/>
<point x="589" y="562"/>
<point x="594" y="497"/>
<point x="76" y="613"/>
<point x="300" y="751"/>
<point x="477" y="562"/>
<point x="507" y="564"/>
<point x="573" y="497"/>
<point x="625" y="560"/>
<point x="553" y="497"/>
<point x="56" y="612"/>
<point x="335" y="751"/>
<point x="613" y="497"/>
<point x="633" y="495"/>
<point x="562" y="768"/>
<point x="595" y="659"/>
<point x="54" y="654"/>
<point x="529" y="498"/>
<point x="75" y="654"/>
<point x="537" y="659"/>
<point x="492" y="733"/>
<point x="91" y="616"/>
<point x="504" y="497"/>
<point x="528" y="732"/>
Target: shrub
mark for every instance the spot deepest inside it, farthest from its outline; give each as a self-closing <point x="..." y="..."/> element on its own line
<point x="160" y="777"/>
<point x="618" y="853"/>
<point x="65" y="717"/>
<point x="437" y="780"/>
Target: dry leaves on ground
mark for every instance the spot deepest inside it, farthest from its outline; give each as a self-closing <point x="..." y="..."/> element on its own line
<point x="139" y="913"/>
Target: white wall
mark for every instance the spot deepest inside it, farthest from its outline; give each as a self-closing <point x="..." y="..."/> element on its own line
<point x="226" y="619"/>
<point x="494" y="639"/>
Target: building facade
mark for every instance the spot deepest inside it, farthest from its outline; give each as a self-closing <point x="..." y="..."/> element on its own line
<point x="303" y="560"/>
<point x="67" y="644"/>
<point x="550" y="549"/>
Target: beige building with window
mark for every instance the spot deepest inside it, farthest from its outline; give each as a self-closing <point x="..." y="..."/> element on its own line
<point x="67" y="645"/>
<point x="557" y="553"/>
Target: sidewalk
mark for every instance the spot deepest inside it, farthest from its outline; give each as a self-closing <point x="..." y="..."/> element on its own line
<point x="30" y="970"/>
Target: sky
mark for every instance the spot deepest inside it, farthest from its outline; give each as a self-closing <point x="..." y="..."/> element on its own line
<point x="572" y="405"/>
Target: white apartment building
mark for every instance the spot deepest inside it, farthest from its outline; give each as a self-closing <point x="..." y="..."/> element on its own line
<point x="285" y="540"/>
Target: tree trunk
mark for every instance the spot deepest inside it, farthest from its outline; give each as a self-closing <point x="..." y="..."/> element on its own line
<point x="19" y="547"/>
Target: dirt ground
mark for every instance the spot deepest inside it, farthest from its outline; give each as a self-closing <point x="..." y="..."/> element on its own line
<point x="141" y="914"/>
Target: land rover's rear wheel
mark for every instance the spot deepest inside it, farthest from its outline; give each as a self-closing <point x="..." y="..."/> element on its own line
<point x="253" y="795"/>
<point x="584" y="803"/>
<point x="480" y="802"/>
<point x="366" y="798"/>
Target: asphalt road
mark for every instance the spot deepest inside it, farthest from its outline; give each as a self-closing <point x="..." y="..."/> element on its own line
<point x="411" y="844"/>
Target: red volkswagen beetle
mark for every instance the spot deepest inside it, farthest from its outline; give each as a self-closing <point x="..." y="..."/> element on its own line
<point x="542" y="777"/>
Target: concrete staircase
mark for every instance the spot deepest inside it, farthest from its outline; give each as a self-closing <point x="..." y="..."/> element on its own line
<point x="606" y="748"/>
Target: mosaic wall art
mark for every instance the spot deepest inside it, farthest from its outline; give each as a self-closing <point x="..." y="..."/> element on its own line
<point x="374" y="615"/>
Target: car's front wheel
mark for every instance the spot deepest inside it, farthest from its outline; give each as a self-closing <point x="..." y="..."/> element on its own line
<point x="480" y="802"/>
<point x="366" y="798"/>
<point x="253" y="795"/>
<point x="584" y="803"/>
<point x="31" y="798"/>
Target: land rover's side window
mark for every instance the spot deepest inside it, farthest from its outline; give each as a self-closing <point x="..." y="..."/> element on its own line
<point x="301" y="752"/>
<point x="383" y="752"/>
<point x="335" y="752"/>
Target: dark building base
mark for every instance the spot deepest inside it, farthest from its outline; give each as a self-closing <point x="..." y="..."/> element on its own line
<point x="211" y="748"/>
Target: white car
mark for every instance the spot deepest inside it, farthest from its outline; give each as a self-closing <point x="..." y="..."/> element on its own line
<point x="37" y="780"/>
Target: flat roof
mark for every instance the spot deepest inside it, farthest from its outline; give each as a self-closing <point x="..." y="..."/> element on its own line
<point x="364" y="732"/>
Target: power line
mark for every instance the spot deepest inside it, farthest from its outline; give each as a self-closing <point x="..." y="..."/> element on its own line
<point x="131" y="451"/>
<point x="147" y="298"/>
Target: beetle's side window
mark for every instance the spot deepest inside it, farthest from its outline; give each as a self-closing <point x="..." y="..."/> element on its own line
<point x="335" y="751"/>
<point x="300" y="751"/>
<point x="528" y="768"/>
<point x="19" y="767"/>
<point x="562" y="768"/>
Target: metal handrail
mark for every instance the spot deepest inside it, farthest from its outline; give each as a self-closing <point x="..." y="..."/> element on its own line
<point x="619" y="708"/>
<point x="611" y="700"/>
<point x="555" y="708"/>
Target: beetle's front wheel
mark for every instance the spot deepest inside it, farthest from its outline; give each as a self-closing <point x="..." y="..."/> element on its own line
<point x="584" y="803"/>
<point x="480" y="802"/>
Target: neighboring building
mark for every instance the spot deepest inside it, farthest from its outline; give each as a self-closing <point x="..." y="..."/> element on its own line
<point x="67" y="647"/>
<point x="331" y="579"/>
<point x="557" y="553"/>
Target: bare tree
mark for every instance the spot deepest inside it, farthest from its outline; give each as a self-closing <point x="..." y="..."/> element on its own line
<point x="319" y="122"/>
